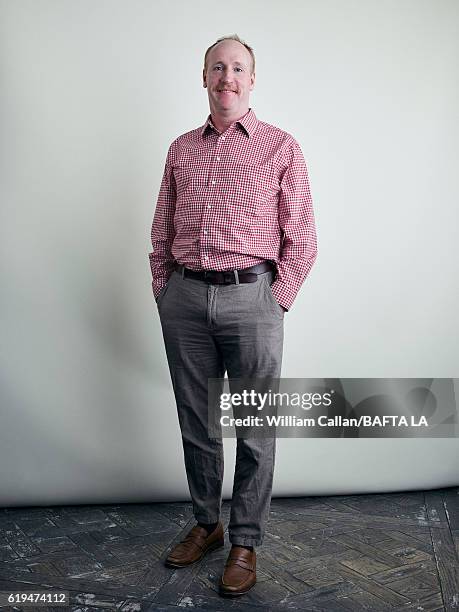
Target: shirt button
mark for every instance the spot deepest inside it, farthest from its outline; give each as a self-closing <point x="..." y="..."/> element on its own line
<point x="209" y="205"/>
<point x="218" y="159"/>
<point x="206" y="257"/>
<point x="213" y="182"/>
<point x="205" y="232"/>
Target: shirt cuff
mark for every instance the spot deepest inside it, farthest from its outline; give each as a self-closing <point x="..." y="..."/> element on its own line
<point x="282" y="295"/>
<point x="157" y="289"/>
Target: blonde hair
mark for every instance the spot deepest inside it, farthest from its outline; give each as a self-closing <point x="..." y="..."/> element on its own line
<point x="236" y="38"/>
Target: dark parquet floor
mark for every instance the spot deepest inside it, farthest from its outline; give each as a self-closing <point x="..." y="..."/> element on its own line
<point x="348" y="553"/>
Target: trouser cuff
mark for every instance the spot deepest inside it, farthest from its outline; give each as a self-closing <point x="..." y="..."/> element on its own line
<point x="206" y="519"/>
<point x="245" y="541"/>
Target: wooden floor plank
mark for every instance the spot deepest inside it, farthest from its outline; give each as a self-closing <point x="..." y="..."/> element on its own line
<point x="444" y="551"/>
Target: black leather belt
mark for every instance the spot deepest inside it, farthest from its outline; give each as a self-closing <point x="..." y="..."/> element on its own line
<point x="226" y="277"/>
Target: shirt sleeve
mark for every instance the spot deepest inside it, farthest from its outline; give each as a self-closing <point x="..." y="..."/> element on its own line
<point x="296" y="219"/>
<point x="162" y="229"/>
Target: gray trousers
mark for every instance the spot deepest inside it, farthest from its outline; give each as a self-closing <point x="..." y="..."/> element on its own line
<point x="207" y="330"/>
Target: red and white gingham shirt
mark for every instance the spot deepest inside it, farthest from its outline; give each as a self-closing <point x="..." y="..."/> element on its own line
<point x="232" y="200"/>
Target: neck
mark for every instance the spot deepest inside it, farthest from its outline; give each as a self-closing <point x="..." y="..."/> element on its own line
<point x="223" y="121"/>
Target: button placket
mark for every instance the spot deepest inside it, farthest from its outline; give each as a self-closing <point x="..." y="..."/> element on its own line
<point x="213" y="182"/>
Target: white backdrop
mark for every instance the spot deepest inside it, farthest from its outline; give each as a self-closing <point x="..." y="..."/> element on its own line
<point x="92" y="95"/>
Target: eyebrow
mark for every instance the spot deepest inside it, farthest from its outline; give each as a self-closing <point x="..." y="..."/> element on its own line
<point x="220" y="62"/>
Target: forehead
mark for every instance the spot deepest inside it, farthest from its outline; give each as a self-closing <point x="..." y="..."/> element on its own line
<point x="229" y="51"/>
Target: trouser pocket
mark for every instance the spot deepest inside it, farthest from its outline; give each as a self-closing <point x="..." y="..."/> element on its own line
<point x="268" y="280"/>
<point x="163" y="292"/>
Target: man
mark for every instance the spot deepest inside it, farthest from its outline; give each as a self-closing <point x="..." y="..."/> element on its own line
<point x="233" y="239"/>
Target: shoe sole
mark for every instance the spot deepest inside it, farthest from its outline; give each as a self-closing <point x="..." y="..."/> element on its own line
<point x="224" y="593"/>
<point x="214" y="546"/>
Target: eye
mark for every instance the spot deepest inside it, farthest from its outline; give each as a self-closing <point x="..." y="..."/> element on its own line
<point x="217" y="67"/>
<point x="240" y="69"/>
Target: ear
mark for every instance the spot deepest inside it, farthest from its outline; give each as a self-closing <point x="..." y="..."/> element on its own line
<point x="204" y="80"/>
<point x="252" y="81"/>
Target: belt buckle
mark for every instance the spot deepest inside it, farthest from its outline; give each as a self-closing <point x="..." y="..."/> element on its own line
<point x="210" y="278"/>
<point x="217" y="277"/>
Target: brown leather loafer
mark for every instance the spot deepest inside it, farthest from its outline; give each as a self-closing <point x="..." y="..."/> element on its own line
<point x="240" y="572"/>
<point x="194" y="546"/>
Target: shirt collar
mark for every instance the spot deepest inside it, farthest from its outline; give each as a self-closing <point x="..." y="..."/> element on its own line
<point x="248" y="123"/>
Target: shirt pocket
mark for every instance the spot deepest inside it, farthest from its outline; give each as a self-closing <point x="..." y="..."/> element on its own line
<point x="250" y="188"/>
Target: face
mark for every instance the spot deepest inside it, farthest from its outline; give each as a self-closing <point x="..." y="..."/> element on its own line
<point x="228" y="78"/>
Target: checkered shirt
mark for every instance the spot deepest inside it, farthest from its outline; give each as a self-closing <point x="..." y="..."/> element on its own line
<point x="234" y="199"/>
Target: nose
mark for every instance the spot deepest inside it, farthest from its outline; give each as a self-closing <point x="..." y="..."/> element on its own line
<point x="226" y="81"/>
